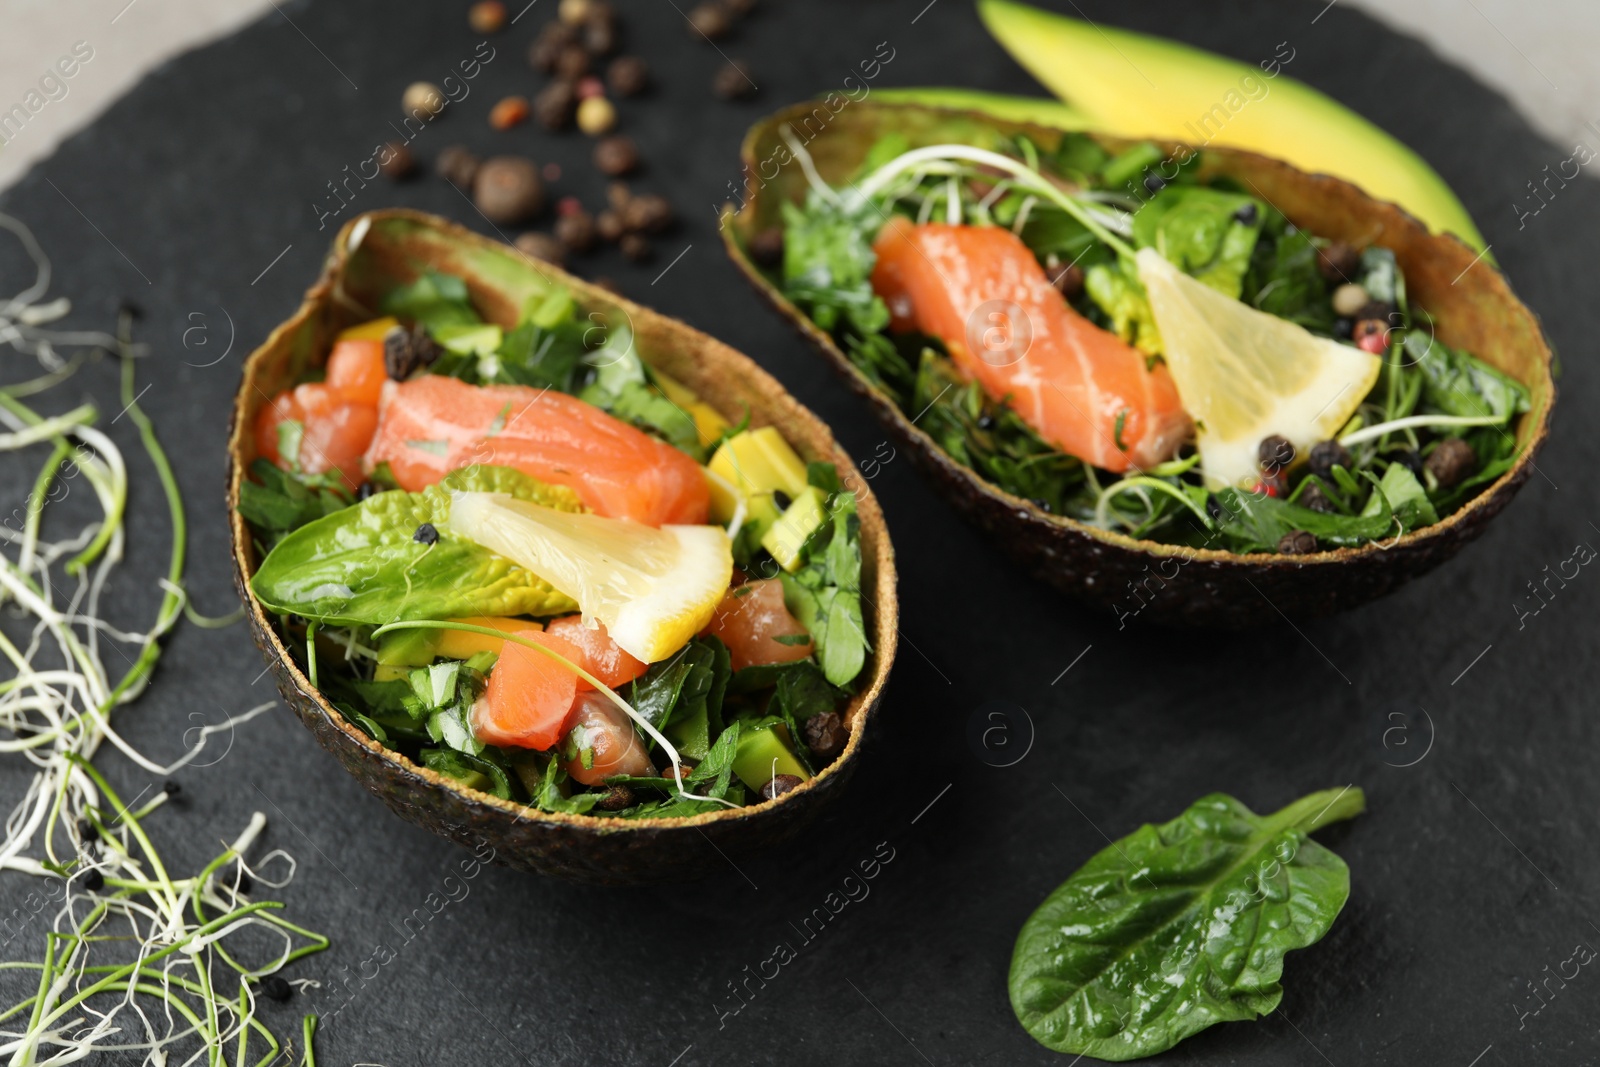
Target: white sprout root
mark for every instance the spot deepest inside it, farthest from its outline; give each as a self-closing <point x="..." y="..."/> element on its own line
<point x="125" y="936"/>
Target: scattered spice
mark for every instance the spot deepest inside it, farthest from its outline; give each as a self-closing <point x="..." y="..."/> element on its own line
<point x="575" y="230"/>
<point x="1349" y="299"/>
<point x="512" y="111"/>
<point x="589" y="86"/>
<point x="574" y="12"/>
<point x="1326" y="455"/>
<point x="1339" y="262"/>
<point x="422" y="99"/>
<point x="609" y="225"/>
<point x="548" y="46"/>
<point x="711" y="21"/>
<point x="733" y="81"/>
<point x="616" y="798"/>
<point x="628" y="75"/>
<point x="487" y="16"/>
<point x="541" y="246"/>
<point x="637" y="247"/>
<point x="404" y="351"/>
<point x="572" y="62"/>
<point x="1407" y="458"/>
<point x="778" y="785"/>
<point x="1275" y="453"/>
<point x="1372" y="335"/>
<point x="457" y="166"/>
<point x="1314" y="498"/>
<point x="507" y="190"/>
<point x="825" y="735"/>
<point x="1297" y="543"/>
<point x="427" y="534"/>
<point x="616" y="156"/>
<point x="596" y="116"/>
<point x="647" y="214"/>
<point x="555" y="104"/>
<point x="396" y="161"/>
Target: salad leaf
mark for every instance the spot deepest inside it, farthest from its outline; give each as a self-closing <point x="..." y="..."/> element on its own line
<point x="824" y="593"/>
<point x="1400" y="492"/>
<point x="827" y="265"/>
<point x="435" y="300"/>
<point x="1178" y="927"/>
<point x="551" y="798"/>
<point x="276" y="502"/>
<point x="622" y="387"/>
<point x="1283" y="278"/>
<point x="1198" y="230"/>
<point x="1251" y="522"/>
<point x="690" y="683"/>
<point x="1456" y="383"/>
<point x="1115" y="289"/>
<point x="362" y="565"/>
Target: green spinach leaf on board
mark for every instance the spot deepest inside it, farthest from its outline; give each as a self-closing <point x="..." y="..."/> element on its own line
<point x="363" y="566"/>
<point x="1178" y="927"/>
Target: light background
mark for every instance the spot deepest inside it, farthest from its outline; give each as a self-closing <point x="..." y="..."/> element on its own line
<point x="1539" y="53"/>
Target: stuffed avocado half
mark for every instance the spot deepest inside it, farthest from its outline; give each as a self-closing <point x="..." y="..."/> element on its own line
<point x="508" y="547"/>
<point x="1202" y="356"/>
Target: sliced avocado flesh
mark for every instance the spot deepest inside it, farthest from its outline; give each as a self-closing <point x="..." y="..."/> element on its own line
<point x="1035" y="109"/>
<point x="755" y="461"/>
<point x="420" y="646"/>
<point x="761" y="513"/>
<point x="1135" y="85"/>
<point x="763" y="753"/>
<point x="791" y="532"/>
<point x="407" y="648"/>
<point x="690" y="736"/>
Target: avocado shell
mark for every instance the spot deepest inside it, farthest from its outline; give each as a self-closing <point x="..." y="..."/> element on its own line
<point x="1176" y="585"/>
<point x="374" y="253"/>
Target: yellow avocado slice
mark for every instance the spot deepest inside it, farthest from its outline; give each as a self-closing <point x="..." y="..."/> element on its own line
<point x="370" y="331"/>
<point x="789" y="534"/>
<point x="1035" y="109"/>
<point x="755" y="461"/>
<point x="1135" y="85"/>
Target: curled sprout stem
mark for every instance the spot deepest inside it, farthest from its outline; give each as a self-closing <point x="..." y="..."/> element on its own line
<point x="1143" y="482"/>
<point x="644" y="724"/>
<point x="1383" y="428"/>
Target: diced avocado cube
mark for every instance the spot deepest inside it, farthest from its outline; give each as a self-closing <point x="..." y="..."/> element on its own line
<point x="764" y="753"/>
<point x="761" y="513"/>
<point x="421" y="646"/>
<point x="470" y="340"/>
<point x="757" y="461"/>
<point x="799" y="521"/>
<point x="690" y="735"/>
<point x="407" y="648"/>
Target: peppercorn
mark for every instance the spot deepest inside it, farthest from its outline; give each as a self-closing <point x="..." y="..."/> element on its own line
<point x="575" y="231"/>
<point x="548" y="46"/>
<point x="766" y="247"/>
<point x="507" y="190"/>
<point x="1339" y="262"/>
<point x="1297" y="543"/>
<point x="1349" y="299"/>
<point x="1451" y="461"/>
<point x="1154" y="183"/>
<point x="1407" y="458"/>
<point x="986" y="421"/>
<point x="427" y="534"/>
<point x="710" y="21"/>
<point x="1381" y="310"/>
<point x="1371" y="335"/>
<point x="555" y="104"/>
<point x="778" y="785"/>
<point x="825" y="735"/>
<point x="1247" y="214"/>
<point x="628" y="75"/>
<point x="739" y="8"/>
<point x="733" y="81"/>
<point x="366" y="490"/>
<point x="1213" y="506"/>
<point x="596" y="116"/>
<point x="572" y="63"/>
<point x="574" y="12"/>
<point x="457" y="166"/>
<point x="588" y="86"/>
<point x="608" y="224"/>
<point x="1343" y="328"/>
<point x="1314" y="498"/>
<point x="87" y="831"/>
<point x="396" y="161"/>
<point x="637" y="247"/>
<point x="647" y="214"/>
<point x="1275" y="453"/>
<point x="404" y="351"/>
<point x="1069" y="281"/>
<point x="616" y="155"/>
<point x="541" y="246"/>
<point x="274" y="987"/>
<point x="94" y="881"/>
<point x="782" y="499"/>
<point x="1326" y="455"/>
<point x="1273" y="485"/>
<point x="512" y="111"/>
<point x="618" y="196"/>
<point x="599" y="35"/>
<point x="171" y="788"/>
<point x="616" y="798"/>
<point x="422" y="100"/>
<point x="487" y="16"/>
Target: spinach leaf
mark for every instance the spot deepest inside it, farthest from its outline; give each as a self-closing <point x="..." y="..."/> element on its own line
<point x="1080" y="157"/>
<point x="1115" y="289"/>
<point x="1401" y="493"/>
<point x="824" y="593"/>
<point x="361" y="565"/>
<point x="472" y="771"/>
<point x="1198" y="230"/>
<point x="1456" y="383"/>
<point x="276" y="502"/>
<point x="551" y="798"/>
<point x="1178" y="927"/>
<point x="1283" y="278"/>
<point x="622" y="387"/>
<point x="435" y="300"/>
<point x="717" y="767"/>
<point x="688" y="689"/>
<point x="827" y="265"/>
<point x="1250" y="522"/>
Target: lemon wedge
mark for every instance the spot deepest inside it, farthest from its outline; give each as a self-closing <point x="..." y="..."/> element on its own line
<point x="1245" y="375"/>
<point x="653" y="588"/>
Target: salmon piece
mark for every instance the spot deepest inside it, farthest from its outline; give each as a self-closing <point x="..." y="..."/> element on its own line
<point x="602" y="657"/>
<point x="749" y="620"/>
<point x="432" y="425"/>
<point x="615" y="747"/>
<point x="529" y="695"/>
<point x="355" y="368"/>
<point x="336" y="432"/>
<point x="1081" y="388"/>
<point x="281" y="408"/>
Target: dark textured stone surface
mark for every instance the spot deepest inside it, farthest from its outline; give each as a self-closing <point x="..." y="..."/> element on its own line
<point x="1473" y="870"/>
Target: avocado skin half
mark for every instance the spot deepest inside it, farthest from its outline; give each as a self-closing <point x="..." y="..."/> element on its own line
<point x="1145" y="580"/>
<point x="393" y="247"/>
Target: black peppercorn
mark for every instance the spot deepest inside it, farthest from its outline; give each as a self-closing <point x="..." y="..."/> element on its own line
<point x="1451" y="461"/>
<point x="616" y="156"/>
<point x="637" y="247"/>
<point x="274" y="987"/>
<point x="733" y="81"/>
<point x="365" y="490"/>
<point x="555" y="105"/>
<point x="572" y="63"/>
<point x="1297" y="543"/>
<point x="1344" y="328"/>
<point x="1247" y="214"/>
<point x="1326" y="455"/>
<point x="427" y="534"/>
<point x="647" y="214"/>
<point x="541" y="246"/>
<point x="457" y="166"/>
<point x="398" y="162"/>
<point x="1154" y="183"/>
<point x="986" y="421"/>
<point x="404" y="351"/>
<point x="1275" y="453"/>
<point x="608" y="224"/>
<point x="1339" y="262"/>
<point x="575" y="231"/>
<point x="1069" y="280"/>
<point x="778" y="785"/>
<point x="766" y="247"/>
<point x="1314" y="498"/>
<point x="550" y="43"/>
<point x="628" y="76"/>
<point x="825" y="735"/>
<point x="710" y="21"/>
<point x="616" y="798"/>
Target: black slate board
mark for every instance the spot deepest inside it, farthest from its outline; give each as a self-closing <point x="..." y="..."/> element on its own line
<point x="1474" y="870"/>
